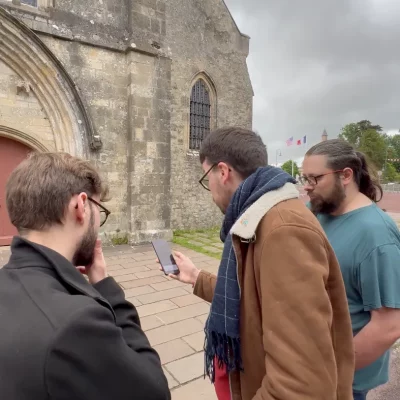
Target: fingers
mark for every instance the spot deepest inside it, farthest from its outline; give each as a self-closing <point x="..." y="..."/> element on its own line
<point x="178" y="254"/>
<point x="82" y="270"/>
<point x="157" y="261"/>
<point x="173" y="276"/>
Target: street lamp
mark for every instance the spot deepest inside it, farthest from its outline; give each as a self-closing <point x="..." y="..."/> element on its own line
<point x="278" y="154"/>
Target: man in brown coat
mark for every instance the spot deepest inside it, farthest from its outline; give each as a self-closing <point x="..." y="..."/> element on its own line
<point x="279" y="327"/>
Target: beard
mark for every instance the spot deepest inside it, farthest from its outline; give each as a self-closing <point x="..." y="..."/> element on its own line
<point x="84" y="254"/>
<point x="329" y="204"/>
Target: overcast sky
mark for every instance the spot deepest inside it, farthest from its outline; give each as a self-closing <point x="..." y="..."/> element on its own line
<point x="318" y="64"/>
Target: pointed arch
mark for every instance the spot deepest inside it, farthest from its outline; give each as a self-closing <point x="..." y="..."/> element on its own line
<point x="203" y="109"/>
<point x="22" y="137"/>
<point x="24" y="52"/>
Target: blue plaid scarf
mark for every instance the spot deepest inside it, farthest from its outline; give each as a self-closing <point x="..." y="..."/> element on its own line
<point x="222" y="327"/>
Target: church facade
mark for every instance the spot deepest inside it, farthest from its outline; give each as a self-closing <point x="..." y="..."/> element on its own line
<point x="132" y="85"/>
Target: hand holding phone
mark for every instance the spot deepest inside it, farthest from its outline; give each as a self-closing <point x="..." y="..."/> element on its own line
<point x="188" y="273"/>
<point x="164" y="254"/>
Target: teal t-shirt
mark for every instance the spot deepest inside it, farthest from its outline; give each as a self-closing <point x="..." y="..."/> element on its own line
<point x="367" y="245"/>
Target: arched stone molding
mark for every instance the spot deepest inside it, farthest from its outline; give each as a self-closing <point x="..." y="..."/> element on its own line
<point x="212" y="90"/>
<point x="22" y="137"/>
<point x="24" y="52"/>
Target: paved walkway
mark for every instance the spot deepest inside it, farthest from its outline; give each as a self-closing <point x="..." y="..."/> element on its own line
<point x="173" y="319"/>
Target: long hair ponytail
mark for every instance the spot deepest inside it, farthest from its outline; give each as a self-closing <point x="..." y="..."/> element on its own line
<point x="368" y="182"/>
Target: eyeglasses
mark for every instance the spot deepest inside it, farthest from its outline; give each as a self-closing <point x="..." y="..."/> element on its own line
<point x="204" y="179"/>
<point x="313" y="180"/>
<point x="104" y="213"/>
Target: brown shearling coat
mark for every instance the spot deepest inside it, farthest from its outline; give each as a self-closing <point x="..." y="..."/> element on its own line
<point x="296" y="336"/>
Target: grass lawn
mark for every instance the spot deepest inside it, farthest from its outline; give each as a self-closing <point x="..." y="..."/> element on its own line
<point x="204" y="241"/>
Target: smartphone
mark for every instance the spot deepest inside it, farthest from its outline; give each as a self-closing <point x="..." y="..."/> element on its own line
<point x="164" y="254"/>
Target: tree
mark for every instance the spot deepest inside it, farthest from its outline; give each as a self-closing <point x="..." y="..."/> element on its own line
<point x="368" y="139"/>
<point x="287" y="167"/>
<point x="393" y="152"/>
<point x="366" y="125"/>
<point x="352" y="133"/>
<point x="390" y="174"/>
<point x="374" y="146"/>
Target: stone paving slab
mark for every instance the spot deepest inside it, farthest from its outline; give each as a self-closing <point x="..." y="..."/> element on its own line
<point x="172" y="317"/>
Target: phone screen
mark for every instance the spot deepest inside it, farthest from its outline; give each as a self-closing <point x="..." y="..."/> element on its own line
<point x="164" y="254"/>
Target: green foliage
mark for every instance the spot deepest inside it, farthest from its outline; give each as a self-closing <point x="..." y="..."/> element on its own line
<point x="287" y="167"/>
<point x="353" y="133"/>
<point x="119" y="239"/>
<point x="200" y="240"/>
<point x="373" y="144"/>
<point x="368" y="139"/>
<point x="394" y="151"/>
<point x="390" y="174"/>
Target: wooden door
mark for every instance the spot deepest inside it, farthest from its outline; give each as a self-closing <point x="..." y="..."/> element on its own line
<point x="11" y="154"/>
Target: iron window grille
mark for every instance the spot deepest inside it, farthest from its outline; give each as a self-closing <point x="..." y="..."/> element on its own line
<point x="200" y="114"/>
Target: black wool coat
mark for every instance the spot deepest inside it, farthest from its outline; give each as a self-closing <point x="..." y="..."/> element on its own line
<point x="64" y="339"/>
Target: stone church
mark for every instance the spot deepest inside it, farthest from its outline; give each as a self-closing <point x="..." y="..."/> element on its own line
<point x="134" y="85"/>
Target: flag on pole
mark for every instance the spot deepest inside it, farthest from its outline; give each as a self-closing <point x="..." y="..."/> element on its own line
<point x="299" y="142"/>
<point x="289" y="142"/>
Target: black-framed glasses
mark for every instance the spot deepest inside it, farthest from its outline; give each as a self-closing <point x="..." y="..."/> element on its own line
<point x="313" y="180"/>
<point x="104" y="213"/>
<point x="204" y="179"/>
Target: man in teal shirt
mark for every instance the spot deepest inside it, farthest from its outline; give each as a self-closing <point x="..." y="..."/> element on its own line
<point x="343" y="195"/>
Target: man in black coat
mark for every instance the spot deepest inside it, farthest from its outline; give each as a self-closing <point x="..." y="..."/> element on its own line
<point x="63" y="337"/>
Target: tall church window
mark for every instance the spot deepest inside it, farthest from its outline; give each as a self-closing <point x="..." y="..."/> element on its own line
<point x="200" y="114"/>
<point x="42" y="5"/>
<point x="32" y="3"/>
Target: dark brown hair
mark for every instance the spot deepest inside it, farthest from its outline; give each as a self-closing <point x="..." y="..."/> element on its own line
<point x="39" y="189"/>
<point x="241" y="148"/>
<point x="341" y="155"/>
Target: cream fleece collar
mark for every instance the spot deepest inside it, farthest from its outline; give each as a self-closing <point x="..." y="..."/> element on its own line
<point x="245" y="227"/>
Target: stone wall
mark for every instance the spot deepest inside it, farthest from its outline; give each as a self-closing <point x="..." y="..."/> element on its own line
<point x="212" y="43"/>
<point x="133" y="64"/>
<point x="391" y="188"/>
<point x="101" y="76"/>
<point x="20" y="109"/>
<point x="149" y="147"/>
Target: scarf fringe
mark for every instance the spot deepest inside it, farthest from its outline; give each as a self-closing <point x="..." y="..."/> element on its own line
<point x="226" y="351"/>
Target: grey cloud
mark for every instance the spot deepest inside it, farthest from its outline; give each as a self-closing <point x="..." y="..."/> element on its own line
<point x="320" y="64"/>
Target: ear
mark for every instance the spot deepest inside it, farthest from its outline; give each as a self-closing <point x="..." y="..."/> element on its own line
<point x="79" y="204"/>
<point x="224" y="171"/>
<point x="347" y="176"/>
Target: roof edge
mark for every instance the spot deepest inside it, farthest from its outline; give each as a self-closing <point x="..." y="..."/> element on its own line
<point x="233" y="19"/>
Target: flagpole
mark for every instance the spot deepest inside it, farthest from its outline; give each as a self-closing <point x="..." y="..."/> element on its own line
<point x="292" y="168"/>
